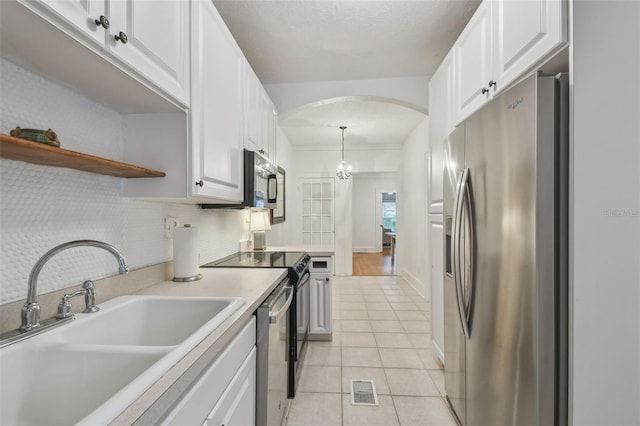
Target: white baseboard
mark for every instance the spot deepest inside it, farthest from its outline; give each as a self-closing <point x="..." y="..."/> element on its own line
<point x="414" y="282"/>
<point x="365" y="250"/>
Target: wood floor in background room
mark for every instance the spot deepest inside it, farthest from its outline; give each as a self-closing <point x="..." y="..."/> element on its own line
<point x="381" y="331"/>
<point x="373" y="264"/>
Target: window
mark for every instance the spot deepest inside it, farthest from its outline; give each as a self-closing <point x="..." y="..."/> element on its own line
<point x="389" y="210"/>
<point x="317" y="211"/>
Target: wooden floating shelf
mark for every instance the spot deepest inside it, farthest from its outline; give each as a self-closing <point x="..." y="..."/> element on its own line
<point x="46" y="155"/>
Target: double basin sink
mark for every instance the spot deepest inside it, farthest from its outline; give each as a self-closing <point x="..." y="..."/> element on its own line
<point x="90" y="370"/>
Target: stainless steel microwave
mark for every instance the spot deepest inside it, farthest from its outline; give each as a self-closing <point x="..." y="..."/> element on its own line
<point x="260" y="184"/>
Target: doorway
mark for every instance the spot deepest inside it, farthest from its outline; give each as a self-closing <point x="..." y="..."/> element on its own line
<point x="374" y="258"/>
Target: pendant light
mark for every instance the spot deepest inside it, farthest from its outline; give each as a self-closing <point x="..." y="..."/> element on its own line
<point x="343" y="170"/>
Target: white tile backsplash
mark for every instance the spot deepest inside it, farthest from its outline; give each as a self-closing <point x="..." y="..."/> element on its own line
<point x="44" y="206"/>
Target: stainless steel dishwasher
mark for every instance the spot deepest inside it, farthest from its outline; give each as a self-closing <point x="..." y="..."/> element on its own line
<point x="272" y="341"/>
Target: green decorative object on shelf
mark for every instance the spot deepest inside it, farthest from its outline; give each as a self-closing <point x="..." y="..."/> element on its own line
<point x="48" y="136"/>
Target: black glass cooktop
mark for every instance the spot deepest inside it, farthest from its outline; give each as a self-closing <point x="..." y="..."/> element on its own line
<point x="273" y="259"/>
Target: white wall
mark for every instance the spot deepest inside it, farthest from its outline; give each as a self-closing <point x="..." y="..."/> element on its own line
<point x="366" y="224"/>
<point x="279" y="233"/>
<point x="411" y="90"/>
<point x="322" y="164"/>
<point x="605" y="218"/>
<point x="45" y="206"/>
<point x="412" y="262"/>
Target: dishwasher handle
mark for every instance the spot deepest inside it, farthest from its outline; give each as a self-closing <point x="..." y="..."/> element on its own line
<point x="273" y="316"/>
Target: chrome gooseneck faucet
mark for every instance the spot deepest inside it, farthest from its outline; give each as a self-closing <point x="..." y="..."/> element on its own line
<point x="31" y="309"/>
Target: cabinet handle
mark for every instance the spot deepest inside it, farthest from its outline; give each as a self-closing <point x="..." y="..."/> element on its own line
<point x="485" y="90"/>
<point x="327" y="279"/>
<point x="102" y="22"/>
<point x="200" y="183"/>
<point x="122" y="37"/>
<point x="492" y="83"/>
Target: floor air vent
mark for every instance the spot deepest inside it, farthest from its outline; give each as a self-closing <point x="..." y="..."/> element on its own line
<point x="363" y="392"/>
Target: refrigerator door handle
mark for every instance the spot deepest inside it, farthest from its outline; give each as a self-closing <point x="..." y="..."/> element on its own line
<point x="457" y="267"/>
<point x="457" y="219"/>
<point x="471" y="235"/>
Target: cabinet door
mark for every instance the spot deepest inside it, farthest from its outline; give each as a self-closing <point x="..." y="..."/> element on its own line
<point x="320" y="304"/>
<point x="272" y="146"/>
<point x="237" y="405"/>
<point x="216" y="107"/>
<point x="158" y="41"/>
<point x="440" y="125"/>
<point x="267" y="126"/>
<point x="81" y="14"/>
<point x="436" y="249"/>
<point x="472" y="64"/>
<point x="252" y="111"/>
<point x="524" y="33"/>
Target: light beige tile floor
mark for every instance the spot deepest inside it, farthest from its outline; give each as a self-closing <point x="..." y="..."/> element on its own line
<point x="382" y="332"/>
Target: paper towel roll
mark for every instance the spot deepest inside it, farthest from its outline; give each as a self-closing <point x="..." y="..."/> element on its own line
<point x="185" y="254"/>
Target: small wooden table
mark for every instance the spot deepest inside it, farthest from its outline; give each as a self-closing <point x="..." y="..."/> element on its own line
<point x="393" y="245"/>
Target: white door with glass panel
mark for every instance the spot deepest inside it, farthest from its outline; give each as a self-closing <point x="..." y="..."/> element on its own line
<point x="317" y="211"/>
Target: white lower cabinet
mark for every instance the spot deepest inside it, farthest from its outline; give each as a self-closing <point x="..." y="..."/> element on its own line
<point x="225" y="394"/>
<point x="320" y="312"/>
<point x="237" y="406"/>
<point x="320" y="322"/>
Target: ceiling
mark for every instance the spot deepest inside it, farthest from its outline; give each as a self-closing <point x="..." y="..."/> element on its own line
<point x="310" y="41"/>
<point x="370" y="122"/>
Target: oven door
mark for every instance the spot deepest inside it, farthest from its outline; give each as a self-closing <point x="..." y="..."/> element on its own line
<point x="272" y="356"/>
<point x="303" y="301"/>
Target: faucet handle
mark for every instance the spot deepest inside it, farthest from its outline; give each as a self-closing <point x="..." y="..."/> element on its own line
<point x="89" y="297"/>
<point x="89" y="292"/>
<point x="64" y="307"/>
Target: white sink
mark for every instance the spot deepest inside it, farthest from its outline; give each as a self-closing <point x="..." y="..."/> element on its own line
<point x="150" y="321"/>
<point x="92" y="369"/>
<point x="61" y="386"/>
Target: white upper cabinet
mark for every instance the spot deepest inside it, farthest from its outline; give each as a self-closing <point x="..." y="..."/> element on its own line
<point x="525" y="31"/>
<point x="83" y="15"/>
<point x="472" y="56"/>
<point x="150" y="38"/>
<point x="216" y="107"/>
<point x="261" y="118"/>
<point x="252" y="112"/>
<point x="503" y="41"/>
<point x="440" y="125"/>
<point x="201" y="150"/>
<point x="269" y="127"/>
<point x="157" y="35"/>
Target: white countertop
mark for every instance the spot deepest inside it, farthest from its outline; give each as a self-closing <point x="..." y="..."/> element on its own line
<point x="312" y="250"/>
<point x="252" y="284"/>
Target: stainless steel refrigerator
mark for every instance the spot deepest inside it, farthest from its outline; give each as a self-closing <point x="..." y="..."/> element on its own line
<point x="505" y="215"/>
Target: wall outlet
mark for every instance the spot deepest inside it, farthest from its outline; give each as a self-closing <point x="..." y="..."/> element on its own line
<point x="245" y="245"/>
<point x="170" y="223"/>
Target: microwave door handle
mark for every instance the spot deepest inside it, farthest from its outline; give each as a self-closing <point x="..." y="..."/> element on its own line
<point x="272" y="188"/>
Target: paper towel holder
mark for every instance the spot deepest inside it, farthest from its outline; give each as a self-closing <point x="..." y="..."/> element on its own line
<point x="187" y="279"/>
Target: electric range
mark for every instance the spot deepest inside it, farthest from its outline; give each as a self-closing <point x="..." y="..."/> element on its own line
<point x="297" y="264"/>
